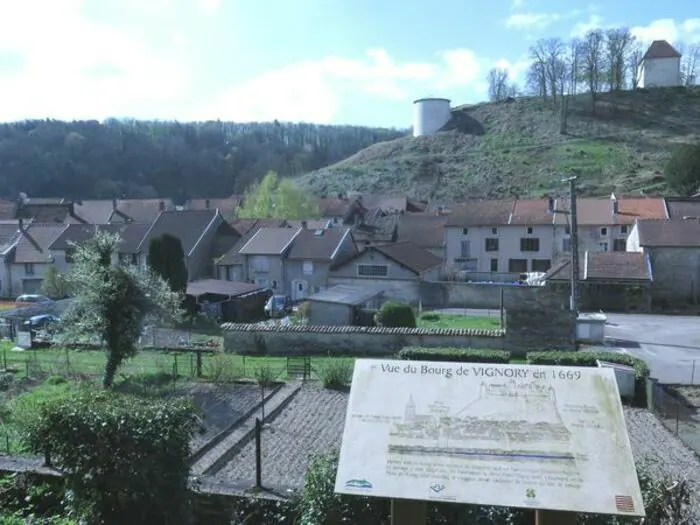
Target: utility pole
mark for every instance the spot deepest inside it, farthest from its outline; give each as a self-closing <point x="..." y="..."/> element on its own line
<point x="573" y="225"/>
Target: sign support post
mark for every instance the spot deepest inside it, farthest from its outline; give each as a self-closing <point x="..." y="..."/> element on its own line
<point x="408" y="512"/>
<point x="554" y="517"/>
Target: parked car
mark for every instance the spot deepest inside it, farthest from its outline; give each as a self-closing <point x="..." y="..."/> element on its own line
<point x="41" y="322"/>
<point x="32" y="299"/>
<point x="278" y="306"/>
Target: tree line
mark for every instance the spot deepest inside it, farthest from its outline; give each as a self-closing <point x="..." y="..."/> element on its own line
<point x="148" y="159"/>
<point x="601" y="60"/>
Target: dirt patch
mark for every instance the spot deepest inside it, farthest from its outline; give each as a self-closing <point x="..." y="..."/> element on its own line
<point x="221" y="406"/>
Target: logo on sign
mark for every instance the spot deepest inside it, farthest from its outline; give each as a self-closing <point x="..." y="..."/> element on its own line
<point x="358" y="484"/>
<point x="437" y="488"/>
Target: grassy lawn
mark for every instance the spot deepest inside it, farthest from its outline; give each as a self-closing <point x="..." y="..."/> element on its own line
<point x="440" y="320"/>
<point x="7" y="305"/>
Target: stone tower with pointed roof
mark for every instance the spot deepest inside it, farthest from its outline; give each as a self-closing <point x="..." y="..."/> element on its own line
<point x="660" y="66"/>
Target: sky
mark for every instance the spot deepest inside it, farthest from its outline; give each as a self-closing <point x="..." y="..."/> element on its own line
<point x="360" y="62"/>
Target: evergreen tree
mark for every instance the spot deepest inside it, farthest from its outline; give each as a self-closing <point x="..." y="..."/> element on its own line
<point x="167" y="259"/>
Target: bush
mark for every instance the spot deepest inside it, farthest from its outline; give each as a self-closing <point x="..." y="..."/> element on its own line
<point x="584" y="358"/>
<point x="457" y="355"/>
<point x="125" y="459"/>
<point x="55" y="380"/>
<point x="683" y="169"/>
<point x="336" y="374"/>
<point x="395" y="315"/>
<point x="430" y="316"/>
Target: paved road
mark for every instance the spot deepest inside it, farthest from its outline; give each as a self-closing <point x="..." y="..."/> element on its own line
<point x="669" y="344"/>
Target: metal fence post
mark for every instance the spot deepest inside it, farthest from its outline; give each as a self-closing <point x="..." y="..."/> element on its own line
<point x="678" y="415"/>
<point x="692" y="373"/>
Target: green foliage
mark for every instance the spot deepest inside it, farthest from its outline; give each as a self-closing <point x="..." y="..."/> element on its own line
<point x="125" y="459"/>
<point x="683" y="169"/>
<point x="304" y="309"/>
<point x="457" y="355"/>
<point x="275" y="198"/>
<point x="24" y="498"/>
<point x="430" y="316"/>
<point x="264" y="376"/>
<point x="336" y="374"/>
<point x="395" y="314"/>
<point x="55" y="284"/>
<point x="588" y="359"/>
<point x="167" y="259"/>
<point x="112" y="303"/>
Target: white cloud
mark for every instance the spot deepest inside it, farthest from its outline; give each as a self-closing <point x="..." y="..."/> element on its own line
<point x="532" y="20"/>
<point x="517" y="4"/>
<point x="594" y="22"/>
<point x="73" y="67"/>
<point x="314" y="90"/>
<point x="687" y="31"/>
<point x="209" y="6"/>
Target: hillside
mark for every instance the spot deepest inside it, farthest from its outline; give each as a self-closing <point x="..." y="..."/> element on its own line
<point x="515" y="148"/>
<point x="128" y="158"/>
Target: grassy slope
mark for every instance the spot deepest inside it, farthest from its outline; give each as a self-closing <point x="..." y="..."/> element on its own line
<point x="621" y="147"/>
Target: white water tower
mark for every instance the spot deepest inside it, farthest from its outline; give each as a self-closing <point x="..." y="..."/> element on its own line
<point x="429" y="115"/>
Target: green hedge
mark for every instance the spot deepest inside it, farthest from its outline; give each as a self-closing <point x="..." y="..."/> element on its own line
<point x="584" y="358"/>
<point x="458" y="355"/>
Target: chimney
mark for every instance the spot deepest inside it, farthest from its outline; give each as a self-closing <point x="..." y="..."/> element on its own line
<point x="161" y="205"/>
<point x="550" y="205"/>
<point x="207" y="203"/>
<point x="304" y="224"/>
<point x="114" y="204"/>
<point x="615" y="208"/>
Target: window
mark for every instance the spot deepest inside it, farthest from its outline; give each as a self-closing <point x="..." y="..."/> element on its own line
<point x="603" y="231"/>
<point x="530" y="244"/>
<point x="517" y="265"/>
<point x="491" y="245"/>
<point x="529" y="230"/>
<point x="603" y="246"/>
<point x="29" y="268"/>
<point x="541" y="265"/>
<point x="260" y="264"/>
<point x="567" y="230"/>
<point x="620" y="245"/>
<point x="566" y="244"/>
<point x="623" y="229"/>
<point x="494" y="231"/>
<point x="307" y="267"/>
<point x="494" y="265"/>
<point x="274" y="285"/>
<point x="372" y="270"/>
<point x="465" y="231"/>
<point x="465" y="249"/>
<point x="134" y="258"/>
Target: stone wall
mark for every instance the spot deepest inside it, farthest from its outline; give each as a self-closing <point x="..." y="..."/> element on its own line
<point x="536" y="318"/>
<point x="455" y="294"/>
<point x="252" y="339"/>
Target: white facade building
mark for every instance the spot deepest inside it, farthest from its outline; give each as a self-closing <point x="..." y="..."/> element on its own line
<point x="660" y="67"/>
<point x="429" y="115"/>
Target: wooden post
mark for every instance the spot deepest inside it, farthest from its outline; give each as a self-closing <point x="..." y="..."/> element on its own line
<point x="408" y="512"/>
<point x="555" y="517"/>
<point x="199" y="364"/>
<point x="258" y="454"/>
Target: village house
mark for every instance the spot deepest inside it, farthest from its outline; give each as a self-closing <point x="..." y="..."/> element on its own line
<point x="312" y="254"/>
<point x="263" y="257"/>
<point x="397" y="268"/>
<point x="426" y="230"/>
<point x="660" y="66"/>
<point x="673" y="249"/>
<point x="198" y="231"/>
<point x="9" y="235"/>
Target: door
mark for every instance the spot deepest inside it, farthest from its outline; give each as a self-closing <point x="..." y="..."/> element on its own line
<point x="300" y="290"/>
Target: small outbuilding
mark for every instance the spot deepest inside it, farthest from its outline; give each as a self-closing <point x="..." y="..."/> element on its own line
<point x="344" y="305"/>
<point x="229" y="301"/>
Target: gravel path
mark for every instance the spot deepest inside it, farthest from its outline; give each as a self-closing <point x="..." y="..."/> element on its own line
<point x="222" y="406"/>
<point x="652" y="441"/>
<point x="312" y="423"/>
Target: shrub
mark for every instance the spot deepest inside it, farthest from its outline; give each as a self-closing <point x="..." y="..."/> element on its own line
<point x="457" y="355"/>
<point x="683" y="169"/>
<point x="336" y="374"/>
<point x="56" y="380"/>
<point x="304" y="309"/>
<point x="395" y="315"/>
<point x="584" y="358"/>
<point x="125" y="459"/>
<point x="430" y="316"/>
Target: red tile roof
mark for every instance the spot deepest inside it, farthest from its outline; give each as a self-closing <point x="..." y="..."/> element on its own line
<point x="480" y="213"/>
<point x="606" y="266"/>
<point x="531" y="212"/>
<point x="661" y="49"/>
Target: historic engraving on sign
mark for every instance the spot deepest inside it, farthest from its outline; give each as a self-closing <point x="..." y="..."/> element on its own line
<point x="510" y="435"/>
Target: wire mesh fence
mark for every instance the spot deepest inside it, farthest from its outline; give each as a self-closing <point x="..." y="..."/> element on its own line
<point x="678" y="415"/>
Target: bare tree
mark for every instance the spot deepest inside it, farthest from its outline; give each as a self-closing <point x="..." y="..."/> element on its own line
<point x="548" y="54"/>
<point x="634" y="59"/>
<point x="500" y="88"/>
<point x="536" y="80"/>
<point x="618" y="44"/>
<point x="592" y="63"/>
<point x="572" y="66"/>
<point x="690" y="62"/>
